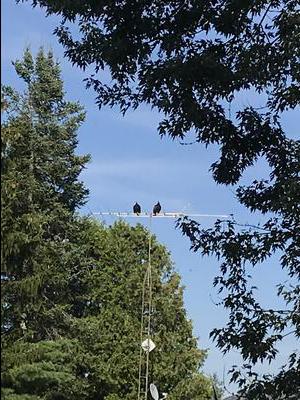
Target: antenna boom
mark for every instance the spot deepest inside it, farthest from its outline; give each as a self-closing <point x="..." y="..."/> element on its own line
<point x="176" y="214"/>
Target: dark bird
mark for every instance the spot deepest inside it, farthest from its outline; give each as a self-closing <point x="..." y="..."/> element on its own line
<point x="137" y="209"/>
<point x="156" y="208"/>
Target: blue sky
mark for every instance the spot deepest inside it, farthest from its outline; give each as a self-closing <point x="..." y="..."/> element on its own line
<point x="130" y="162"/>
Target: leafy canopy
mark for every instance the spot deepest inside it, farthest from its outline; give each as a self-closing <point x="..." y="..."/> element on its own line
<point x="190" y="60"/>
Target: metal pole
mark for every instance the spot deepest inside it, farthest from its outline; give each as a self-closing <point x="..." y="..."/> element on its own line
<point x="149" y="309"/>
<point x="141" y="335"/>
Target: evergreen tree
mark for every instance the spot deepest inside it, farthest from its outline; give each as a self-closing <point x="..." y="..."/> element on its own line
<point x="98" y="356"/>
<point x="39" y="194"/>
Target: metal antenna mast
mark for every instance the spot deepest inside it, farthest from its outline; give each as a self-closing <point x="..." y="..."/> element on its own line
<point x="146" y="344"/>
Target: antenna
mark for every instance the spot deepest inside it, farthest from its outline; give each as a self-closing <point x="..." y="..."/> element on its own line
<point x="146" y="344"/>
<point x="174" y="214"/>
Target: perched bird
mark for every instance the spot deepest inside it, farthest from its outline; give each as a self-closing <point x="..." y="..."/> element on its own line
<point x="157" y="208"/>
<point x="137" y="209"/>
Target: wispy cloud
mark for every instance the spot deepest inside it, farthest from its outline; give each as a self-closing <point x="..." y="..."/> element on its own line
<point x="149" y="168"/>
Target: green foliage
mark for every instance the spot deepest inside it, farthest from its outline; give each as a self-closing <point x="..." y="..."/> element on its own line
<point x="191" y="60"/>
<point x="43" y="370"/>
<point x="38" y="163"/>
<point x="96" y="352"/>
<point x="254" y="329"/>
<point x="40" y="191"/>
<point x="110" y="326"/>
<point x="10" y="394"/>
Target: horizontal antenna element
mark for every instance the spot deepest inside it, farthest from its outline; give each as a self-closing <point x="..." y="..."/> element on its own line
<point x="176" y="214"/>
